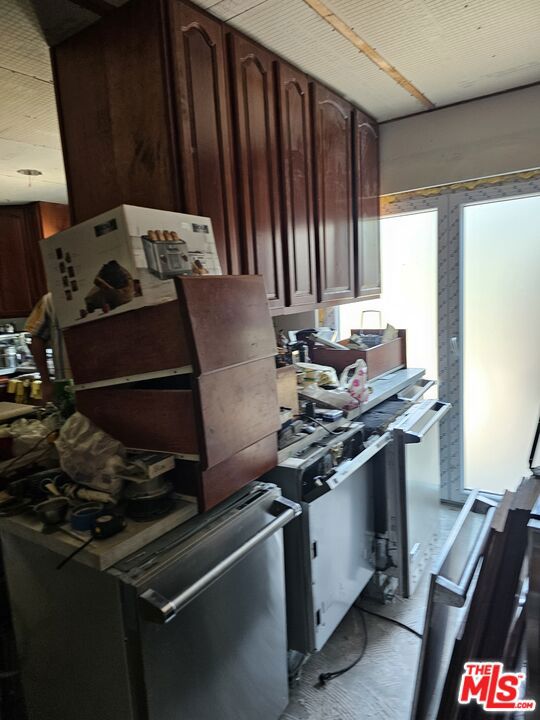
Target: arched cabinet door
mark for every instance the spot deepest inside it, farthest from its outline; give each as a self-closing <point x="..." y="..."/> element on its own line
<point x="297" y="186"/>
<point x="204" y="127"/>
<point x="368" y="267"/>
<point x="254" y="104"/>
<point x="333" y="119"/>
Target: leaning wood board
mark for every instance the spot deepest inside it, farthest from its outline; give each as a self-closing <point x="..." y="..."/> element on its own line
<point x="100" y="554"/>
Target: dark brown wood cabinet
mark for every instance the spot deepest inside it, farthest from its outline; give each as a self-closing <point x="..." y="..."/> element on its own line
<point x="366" y="158"/>
<point x="332" y="122"/>
<point x="181" y="112"/>
<point x="22" y="278"/>
<point x="257" y="159"/>
<point x="152" y="126"/>
<point x="296" y="174"/>
<point x="205" y="134"/>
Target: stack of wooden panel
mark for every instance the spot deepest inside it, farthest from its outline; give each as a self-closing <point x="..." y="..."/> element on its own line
<point x="486" y="631"/>
<point x="195" y="377"/>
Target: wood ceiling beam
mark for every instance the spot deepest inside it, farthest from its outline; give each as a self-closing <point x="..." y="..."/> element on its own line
<point x="98" y="7"/>
<point x="368" y="50"/>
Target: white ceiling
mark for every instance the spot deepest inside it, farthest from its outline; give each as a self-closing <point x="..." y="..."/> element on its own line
<point x="29" y="135"/>
<point x="451" y="50"/>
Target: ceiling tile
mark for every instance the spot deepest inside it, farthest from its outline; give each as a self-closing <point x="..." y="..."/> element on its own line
<point x="452" y="50"/>
<point x="294" y="31"/>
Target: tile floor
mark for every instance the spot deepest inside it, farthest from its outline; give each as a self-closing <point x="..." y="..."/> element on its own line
<point x="381" y="686"/>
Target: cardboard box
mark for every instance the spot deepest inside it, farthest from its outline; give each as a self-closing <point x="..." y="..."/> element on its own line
<point x="125" y="259"/>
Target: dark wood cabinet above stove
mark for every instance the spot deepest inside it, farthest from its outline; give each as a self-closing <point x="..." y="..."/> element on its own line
<point x="181" y="112"/>
<point x="332" y="123"/>
<point x="297" y="185"/>
<point x="152" y="125"/>
<point x="366" y="159"/>
<point x="254" y="102"/>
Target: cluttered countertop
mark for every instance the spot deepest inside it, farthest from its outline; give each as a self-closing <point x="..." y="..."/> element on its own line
<point x="206" y="399"/>
<point x="130" y="494"/>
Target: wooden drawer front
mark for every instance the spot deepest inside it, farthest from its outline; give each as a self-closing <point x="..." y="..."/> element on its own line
<point x="142" y="341"/>
<point x="238" y="407"/>
<point x="162" y="420"/>
<point x="219" y="482"/>
<point x="228" y="319"/>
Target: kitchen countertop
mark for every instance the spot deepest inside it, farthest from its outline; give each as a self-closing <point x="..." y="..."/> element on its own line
<point x="389" y="384"/>
<point x="383" y="387"/>
<point x="99" y="554"/>
<point x="20" y="369"/>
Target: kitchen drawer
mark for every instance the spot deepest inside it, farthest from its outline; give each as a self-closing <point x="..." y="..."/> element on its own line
<point x="148" y="419"/>
<point x="149" y="340"/>
<point x="210" y="417"/>
<point x="215" y="484"/>
<point x="217" y="322"/>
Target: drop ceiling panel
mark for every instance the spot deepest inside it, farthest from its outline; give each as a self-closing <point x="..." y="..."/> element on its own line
<point x="22" y="46"/>
<point x="294" y="31"/>
<point x="14" y="187"/>
<point x="452" y="50"/>
<point x="28" y="111"/>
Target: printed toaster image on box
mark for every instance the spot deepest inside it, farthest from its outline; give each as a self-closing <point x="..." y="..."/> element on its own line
<point x="124" y="259"/>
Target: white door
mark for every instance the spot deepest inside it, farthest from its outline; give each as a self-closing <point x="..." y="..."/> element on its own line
<point x="500" y="340"/>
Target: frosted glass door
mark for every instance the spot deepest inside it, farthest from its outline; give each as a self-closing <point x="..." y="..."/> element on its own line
<point x="501" y="340"/>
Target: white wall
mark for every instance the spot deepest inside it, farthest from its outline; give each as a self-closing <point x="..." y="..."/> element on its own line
<point x="477" y="139"/>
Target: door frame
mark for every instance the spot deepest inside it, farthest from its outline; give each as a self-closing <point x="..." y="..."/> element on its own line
<point x="450" y="201"/>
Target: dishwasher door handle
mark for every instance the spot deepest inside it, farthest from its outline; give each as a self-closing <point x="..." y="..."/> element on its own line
<point x="161" y="610"/>
<point x="441" y="409"/>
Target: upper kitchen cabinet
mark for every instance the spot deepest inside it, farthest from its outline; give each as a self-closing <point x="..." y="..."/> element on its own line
<point x="151" y="125"/>
<point x="22" y="280"/>
<point x="257" y="162"/>
<point x="205" y="133"/>
<point x="297" y="185"/>
<point x="368" y="261"/>
<point x="332" y="119"/>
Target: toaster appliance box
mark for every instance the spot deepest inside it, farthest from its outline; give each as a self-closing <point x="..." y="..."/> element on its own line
<point x="125" y="259"/>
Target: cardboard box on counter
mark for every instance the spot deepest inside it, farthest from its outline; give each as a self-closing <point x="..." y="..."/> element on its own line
<point x="123" y="260"/>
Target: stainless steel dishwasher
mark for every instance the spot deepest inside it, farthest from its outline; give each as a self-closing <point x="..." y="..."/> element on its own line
<point x="413" y="486"/>
<point x="192" y="627"/>
<point x="329" y="550"/>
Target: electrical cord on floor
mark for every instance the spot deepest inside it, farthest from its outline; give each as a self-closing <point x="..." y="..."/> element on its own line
<point x="391" y="620"/>
<point x="326" y="677"/>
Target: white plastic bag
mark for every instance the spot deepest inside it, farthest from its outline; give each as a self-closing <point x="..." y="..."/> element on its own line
<point x="90" y="456"/>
